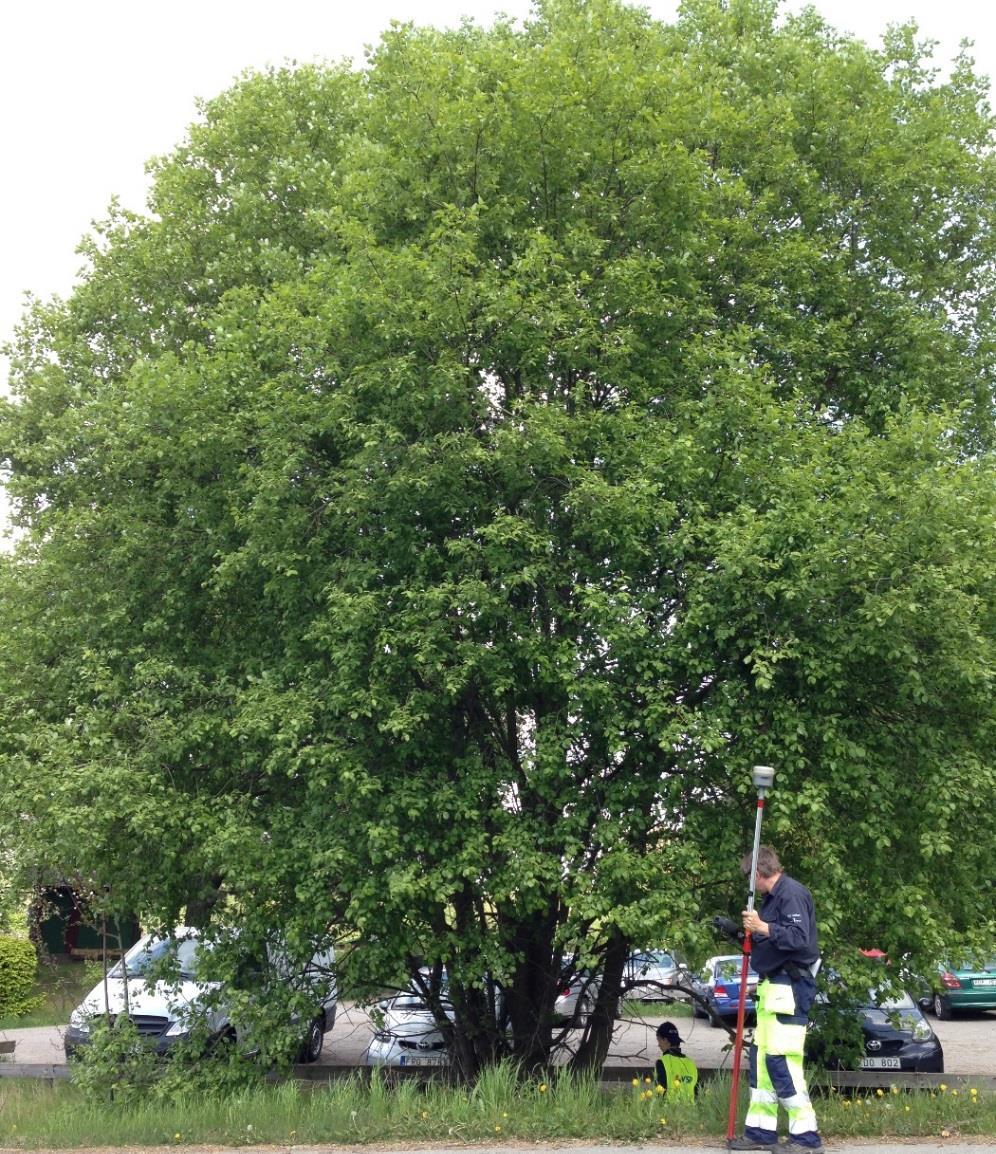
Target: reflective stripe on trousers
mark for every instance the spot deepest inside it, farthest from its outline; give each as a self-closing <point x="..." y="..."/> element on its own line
<point x="776" y="1071"/>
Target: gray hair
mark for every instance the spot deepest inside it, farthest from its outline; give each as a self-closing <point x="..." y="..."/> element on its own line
<point x="767" y="862"/>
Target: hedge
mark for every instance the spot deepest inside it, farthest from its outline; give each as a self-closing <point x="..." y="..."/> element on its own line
<point x="18" y="969"/>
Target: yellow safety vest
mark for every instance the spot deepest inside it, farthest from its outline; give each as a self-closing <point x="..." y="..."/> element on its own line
<point x="682" y="1077"/>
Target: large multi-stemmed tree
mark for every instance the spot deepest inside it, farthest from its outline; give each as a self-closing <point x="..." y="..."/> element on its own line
<point x="471" y="464"/>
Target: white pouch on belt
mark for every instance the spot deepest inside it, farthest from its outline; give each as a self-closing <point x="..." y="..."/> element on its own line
<point x="775" y="997"/>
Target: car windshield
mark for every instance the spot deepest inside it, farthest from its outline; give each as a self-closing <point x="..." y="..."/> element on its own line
<point x="154" y="956"/>
<point x="891" y="1003"/>
<point x="411" y="1003"/>
<point x="655" y="958"/>
<point x="730" y="972"/>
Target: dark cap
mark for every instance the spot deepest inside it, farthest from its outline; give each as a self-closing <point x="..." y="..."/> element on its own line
<point x="669" y="1031"/>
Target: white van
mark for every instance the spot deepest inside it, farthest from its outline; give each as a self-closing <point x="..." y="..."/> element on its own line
<point x="166" y="1011"/>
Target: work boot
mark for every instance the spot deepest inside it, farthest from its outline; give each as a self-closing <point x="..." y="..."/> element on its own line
<point x="743" y="1143"/>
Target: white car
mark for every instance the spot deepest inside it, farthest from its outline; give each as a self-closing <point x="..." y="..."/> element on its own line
<point x="165" y="1011"/>
<point x="407" y="1034"/>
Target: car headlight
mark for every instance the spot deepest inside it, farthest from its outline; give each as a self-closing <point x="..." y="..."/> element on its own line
<point x="80" y="1020"/>
<point x="922" y="1031"/>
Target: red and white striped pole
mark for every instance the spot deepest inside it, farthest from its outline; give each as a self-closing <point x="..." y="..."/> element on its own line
<point x="762" y="777"/>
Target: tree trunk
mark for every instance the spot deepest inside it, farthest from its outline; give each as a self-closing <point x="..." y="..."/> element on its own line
<point x="594" y="1048"/>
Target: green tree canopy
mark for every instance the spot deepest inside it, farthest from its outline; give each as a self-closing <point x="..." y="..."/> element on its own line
<point x="473" y="463"/>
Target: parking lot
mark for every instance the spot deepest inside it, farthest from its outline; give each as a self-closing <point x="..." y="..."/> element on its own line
<point x="969" y="1042"/>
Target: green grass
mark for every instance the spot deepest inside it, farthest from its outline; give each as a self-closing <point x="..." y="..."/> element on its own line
<point x="498" y="1109"/>
<point x="653" y="1010"/>
<point x="61" y="985"/>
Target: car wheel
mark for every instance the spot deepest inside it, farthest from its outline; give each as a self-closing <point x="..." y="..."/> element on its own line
<point x="942" y="1008"/>
<point x="311" y="1047"/>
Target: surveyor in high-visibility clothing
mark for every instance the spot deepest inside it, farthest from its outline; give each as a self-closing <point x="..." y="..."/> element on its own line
<point x="677" y="1075"/>
<point x="785" y="954"/>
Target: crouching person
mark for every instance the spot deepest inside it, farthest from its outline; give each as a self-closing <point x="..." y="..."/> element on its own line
<point x="677" y="1075"/>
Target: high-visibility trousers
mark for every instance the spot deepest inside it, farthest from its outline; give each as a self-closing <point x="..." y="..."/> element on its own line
<point x="776" y="1073"/>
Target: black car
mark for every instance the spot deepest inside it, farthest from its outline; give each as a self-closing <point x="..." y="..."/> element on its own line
<point x="881" y="1033"/>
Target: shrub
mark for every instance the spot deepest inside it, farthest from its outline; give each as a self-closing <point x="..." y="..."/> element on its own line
<point x="18" y="970"/>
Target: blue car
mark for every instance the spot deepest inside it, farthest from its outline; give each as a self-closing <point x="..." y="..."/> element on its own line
<point x="718" y="989"/>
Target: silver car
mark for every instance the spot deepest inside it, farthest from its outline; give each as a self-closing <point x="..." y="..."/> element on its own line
<point x="654" y="975"/>
<point x="407" y="1034"/>
<point x="576" y="998"/>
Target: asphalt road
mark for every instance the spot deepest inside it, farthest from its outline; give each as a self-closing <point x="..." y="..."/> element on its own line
<point x="969" y="1042"/>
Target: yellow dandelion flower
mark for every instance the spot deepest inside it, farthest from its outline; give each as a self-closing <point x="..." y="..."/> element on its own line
<point x="954" y="1093"/>
<point x="663" y="1121"/>
<point x="943" y="1088"/>
<point x="497" y="1129"/>
<point x="504" y="1115"/>
<point x="880" y="1093"/>
<point x="425" y="1115"/>
<point x="176" y="1137"/>
<point x="893" y="1089"/>
<point x="636" y="1081"/>
<point x="646" y="1081"/>
<point x="542" y="1087"/>
<point x="907" y="1109"/>
<point x="974" y="1092"/>
<point x="659" y="1090"/>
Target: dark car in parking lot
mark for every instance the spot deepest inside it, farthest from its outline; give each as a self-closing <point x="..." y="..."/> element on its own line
<point x="881" y="1032"/>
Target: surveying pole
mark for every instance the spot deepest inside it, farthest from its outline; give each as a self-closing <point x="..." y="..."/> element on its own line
<point x="762" y="777"/>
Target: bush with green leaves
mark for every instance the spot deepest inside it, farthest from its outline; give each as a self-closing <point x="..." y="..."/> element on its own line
<point x="18" y="971"/>
<point x="120" y="1064"/>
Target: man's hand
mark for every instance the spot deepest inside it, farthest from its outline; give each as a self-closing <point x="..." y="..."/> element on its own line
<point x="753" y="923"/>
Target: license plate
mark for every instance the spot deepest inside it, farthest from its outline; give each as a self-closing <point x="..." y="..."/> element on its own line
<point x="424" y="1060"/>
<point x="984" y="982"/>
<point x="880" y="1064"/>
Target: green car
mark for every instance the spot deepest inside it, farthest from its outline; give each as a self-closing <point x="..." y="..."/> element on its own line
<point x="962" y="988"/>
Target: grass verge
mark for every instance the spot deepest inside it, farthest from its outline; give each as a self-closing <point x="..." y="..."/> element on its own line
<point x="498" y="1109"/>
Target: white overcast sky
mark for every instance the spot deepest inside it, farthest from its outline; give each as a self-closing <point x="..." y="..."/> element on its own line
<point x="90" y="90"/>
